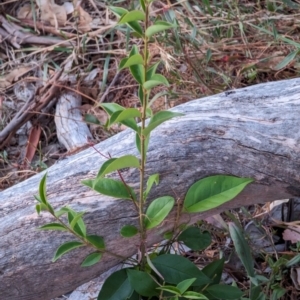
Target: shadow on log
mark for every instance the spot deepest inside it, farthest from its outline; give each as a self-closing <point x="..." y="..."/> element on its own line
<point x="251" y="132"/>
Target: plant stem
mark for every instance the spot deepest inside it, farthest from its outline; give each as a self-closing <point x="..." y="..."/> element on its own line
<point x="143" y="232"/>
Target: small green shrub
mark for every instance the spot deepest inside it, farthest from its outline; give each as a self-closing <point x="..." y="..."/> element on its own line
<point x="161" y="274"/>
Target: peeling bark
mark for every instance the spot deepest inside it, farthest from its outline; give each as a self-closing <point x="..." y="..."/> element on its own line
<point x="250" y="132"/>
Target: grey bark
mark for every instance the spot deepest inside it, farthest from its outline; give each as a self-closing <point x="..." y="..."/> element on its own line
<point x="250" y="132"/>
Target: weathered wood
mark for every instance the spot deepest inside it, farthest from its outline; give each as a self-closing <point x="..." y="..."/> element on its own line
<point x="252" y="132"/>
<point x="71" y="131"/>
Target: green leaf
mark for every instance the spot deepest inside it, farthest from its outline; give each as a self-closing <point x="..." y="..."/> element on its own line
<point x="278" y="293"/>
<point x="213" y="191"/>
<point x="255" y="292"/>
<point x="194" y="295"/>
<point x="242" y="248"/>
<point x="158" y="210"/>
<point x="111" y="108"/>
<point x="105" y="70"/>
<point x="156" y="96"/>
<point x="131" y="16"/>
<point x="295" y="260"/>
<point x="49" y="207"/>
<point x="170" y="288"/>
<point x="222" y="291"/>
<point x="122" y="63"/>
<point x="125" y="114"/>
<point x="66" y="247"/>
<point x="43" y="207"/>
<point x="111" y="187"/>
<point x="118" y="11"/>
<point x="37" y="198"/>
<point x="185" y="284"/>
<point x="142" y="2"/>
<point x="104" y="166"/>
<point x="91" y="259"/>
<point x="116" y="287"/>
<point x="129" y="231"/>
<point x="175" y="269"/>
<point x="156" y="80"/>
<point x="137" y="70"/>
<point x="158" y="27"/>
<point x="289" y="58"/>
<point x="79" y="227"/>
<point x="53" y="226"/>
<point x="38" y="208"/>
<point x="195" y="239"/>
<point x="134" y="25"/>
<point x="214" y="270"/>
<point x="141" y="94"/>
<point x="149" y="112"/>
<point x="76" y="219"/>
<point x="151" y="71"/>
<point x="97" y="241"/>
<point x="150" y="264"/>
<point x="88" y="182"/>
<point x="62" y="211"/>
<point x="126" y="161"/>
<point x="42" y="189"/>
<point x="91" y="119"/>
<point x="137" y="28"/>
<point x="154" y="178"/>
<point x="135" y="59"/>
<point x="142" y="283"/>
<point x="159" y="118"/>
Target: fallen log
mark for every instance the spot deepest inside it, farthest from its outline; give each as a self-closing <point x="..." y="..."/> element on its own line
<point x="251" y="132"/>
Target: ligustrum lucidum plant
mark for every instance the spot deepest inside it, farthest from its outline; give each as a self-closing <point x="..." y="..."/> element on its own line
<point x="160" y="274"/>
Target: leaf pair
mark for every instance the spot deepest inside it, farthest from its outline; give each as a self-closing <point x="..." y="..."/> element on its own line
<point x="119" y="114"/>
<point x="136" y="63"/>
<point x="132" y="18"/>
<point x="157" y="211"/>
<point x="43" y="204"/>
<point x="91" y="259"/>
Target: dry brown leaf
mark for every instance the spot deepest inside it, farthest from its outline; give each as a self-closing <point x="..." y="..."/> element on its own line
<point x="25" y="12"/>
<point x="99" y="114"/>
<point x="13" y="76"/>
<point x="292" y="233"/>
<point x="4" y="83"/>
<point x="210" y="253"/>
<point x="33" y="140"/>
<point x="85" y="19"/>
<point x="55" y="14"/>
